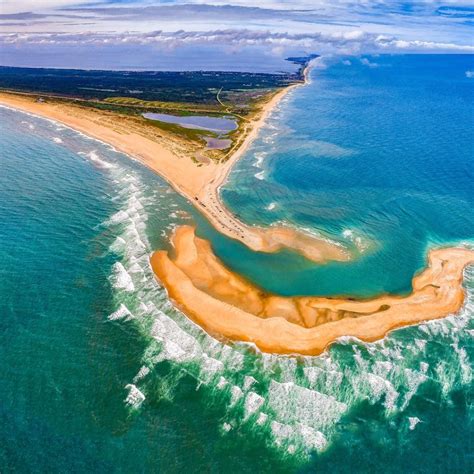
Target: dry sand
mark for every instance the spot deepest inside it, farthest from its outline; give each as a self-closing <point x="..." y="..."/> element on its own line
<point x="226" y="305"/>
<point x="172" y="159"/>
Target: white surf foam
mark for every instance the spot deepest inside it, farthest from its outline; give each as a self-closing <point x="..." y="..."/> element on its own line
<point x="252" y="404"/>
<point x="121" y="278"/>
<point x="260" y="157"/>
<point x="142" y="373"/>
<point x="413" y="421"/>
<point x="297" y="404"/>
<point x="236" y="394"/>
<point x="96" y="160"/>
<point x="121" y="313"/>
<point x="135" y="397"/>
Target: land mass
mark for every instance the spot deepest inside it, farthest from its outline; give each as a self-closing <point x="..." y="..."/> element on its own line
<point x="179" y="157"/>
<point x="220" y="301"/>
<point x="228" y="306"/>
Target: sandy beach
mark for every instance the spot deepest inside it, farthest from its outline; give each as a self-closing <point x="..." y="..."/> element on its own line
<point x="222" y="302"/>
<point x="198" y="180"/>
<point x="226" y="305"/>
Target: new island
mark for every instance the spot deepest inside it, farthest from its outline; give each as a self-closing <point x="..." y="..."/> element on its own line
<point x="158" y="127"/>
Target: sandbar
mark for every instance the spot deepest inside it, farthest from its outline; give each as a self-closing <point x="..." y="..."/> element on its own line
<point x="228" y="306"/>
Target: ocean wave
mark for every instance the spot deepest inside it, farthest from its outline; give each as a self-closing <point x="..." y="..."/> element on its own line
<point x="121" y="278"/>
<point x="96" y="160"/>
<point x="135" y="397"/>
<point x="121" y="313"/>
<point x="413" y="420"/>
<point x="260" y="158"/>
<point x="296" y="405"/>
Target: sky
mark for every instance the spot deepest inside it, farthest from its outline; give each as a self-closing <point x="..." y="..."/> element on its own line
<point x="227" y="35"/>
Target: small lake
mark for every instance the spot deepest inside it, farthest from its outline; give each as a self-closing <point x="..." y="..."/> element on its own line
<point x="217" y="143"/>
<point x="201" y="122"/>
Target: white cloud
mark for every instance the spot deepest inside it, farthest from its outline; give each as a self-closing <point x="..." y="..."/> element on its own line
<point x="337" y="42"/>
<point x="416" y="45"/>
<point x="367" y="63"/>
<point x="470" y="74"/>
<point x="16" y="6"/>
<point x="275" y="27"/>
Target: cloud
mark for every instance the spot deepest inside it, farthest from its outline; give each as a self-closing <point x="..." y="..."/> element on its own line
<point x="470" y="74"/>
<point x="392" y="44"/>
<point x="206" y="11"/>
<point x="456" y="12"/>
<point x="35" y="16"/>
<point x="273" y="28"/>
<point x="15" y="6"/>
<point x="366" y="62"/>
<point x="343" y="41"/>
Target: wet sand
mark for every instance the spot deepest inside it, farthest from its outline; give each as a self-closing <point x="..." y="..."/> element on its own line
<point x="198" y="180"/>
<point x="228" y="306"/>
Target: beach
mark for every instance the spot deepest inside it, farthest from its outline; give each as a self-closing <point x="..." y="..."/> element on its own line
<point x="197" y="180"/>
<point x="228" y="306"/>
<point x="218" y="299"/>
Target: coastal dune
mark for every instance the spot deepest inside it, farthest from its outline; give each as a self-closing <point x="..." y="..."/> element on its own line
<point x="227" y="305"/>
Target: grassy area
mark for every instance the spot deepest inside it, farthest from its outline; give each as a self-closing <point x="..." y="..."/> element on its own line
<point x="183" y="108"/>
<point x="190" y="87"/>
<point x="130" y="94"/>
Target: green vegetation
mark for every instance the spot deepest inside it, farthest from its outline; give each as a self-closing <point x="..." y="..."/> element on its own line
<point x="182" y="108"/>
<point x="132" y="93"/>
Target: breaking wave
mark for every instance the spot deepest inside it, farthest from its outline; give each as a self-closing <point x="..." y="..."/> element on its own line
<point x="295" y="404"/>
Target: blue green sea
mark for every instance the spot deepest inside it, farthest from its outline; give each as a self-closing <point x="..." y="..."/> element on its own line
<point x="99" y="373"/>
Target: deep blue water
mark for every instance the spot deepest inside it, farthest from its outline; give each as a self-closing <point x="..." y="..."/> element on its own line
<point x="381" y="153"/>
<point x="99" y="373"/>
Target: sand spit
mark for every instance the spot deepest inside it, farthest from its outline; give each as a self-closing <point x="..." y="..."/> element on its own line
<point x="172" y="159"/>
<point x="226" y="305"/>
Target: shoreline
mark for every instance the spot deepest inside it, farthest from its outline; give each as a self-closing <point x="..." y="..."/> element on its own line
<point x="231" y="307"/>
<point x="228" y="306"/>
<point x="200" y="185"/>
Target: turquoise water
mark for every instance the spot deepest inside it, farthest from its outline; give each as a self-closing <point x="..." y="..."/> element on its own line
<point x="378" y="158"/>
<point x="100" y="374"/>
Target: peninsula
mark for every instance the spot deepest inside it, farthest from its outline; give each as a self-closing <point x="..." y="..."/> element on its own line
<point x="178" y="156"/>
<point x="220" y="301"/>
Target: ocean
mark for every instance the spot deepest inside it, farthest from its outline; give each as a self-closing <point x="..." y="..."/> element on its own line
<point x="99" y="373"/>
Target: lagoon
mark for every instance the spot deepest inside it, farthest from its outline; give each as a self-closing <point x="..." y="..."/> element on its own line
<point x="199" y="122"/>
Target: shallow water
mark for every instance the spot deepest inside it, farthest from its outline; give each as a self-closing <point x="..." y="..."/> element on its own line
<point x="217" y="143"/>
<point x="379" y="158"/>
<point x="200" y="122"/>
<point x="100" y="374"/>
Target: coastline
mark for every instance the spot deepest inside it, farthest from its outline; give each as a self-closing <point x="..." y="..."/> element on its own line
<point x="271" y="239"/>
<point x="199" y="184"/>
<point x="227" y="306"/>
<point x="240" y="311"/>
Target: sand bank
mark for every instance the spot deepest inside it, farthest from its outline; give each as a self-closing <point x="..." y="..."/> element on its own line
<point x="226" y="305"/>
<point x="171" y="158"/>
